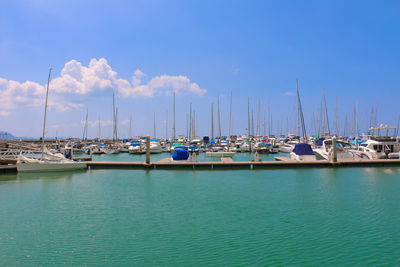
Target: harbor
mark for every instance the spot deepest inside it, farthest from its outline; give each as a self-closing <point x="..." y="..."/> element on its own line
<point x="199" y="133"/>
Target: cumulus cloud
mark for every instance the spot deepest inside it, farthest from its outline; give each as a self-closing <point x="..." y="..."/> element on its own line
<point x="77" y="80"/>
<point x="4" y="113"/>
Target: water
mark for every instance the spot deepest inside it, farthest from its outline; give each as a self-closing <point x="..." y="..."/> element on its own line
<point x="325" y="216"/>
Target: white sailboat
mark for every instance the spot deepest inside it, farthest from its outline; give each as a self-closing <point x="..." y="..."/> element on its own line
<point x="48" y="161"/>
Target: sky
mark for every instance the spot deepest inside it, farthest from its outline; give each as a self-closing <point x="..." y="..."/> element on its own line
<point x="143" y="51"/>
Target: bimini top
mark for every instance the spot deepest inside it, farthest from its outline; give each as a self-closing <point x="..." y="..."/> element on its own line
<point x="303" y="149"/>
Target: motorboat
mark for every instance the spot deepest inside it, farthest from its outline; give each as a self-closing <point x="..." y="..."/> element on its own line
<point x="382" y="147"/>
<point x="155" y="147"/>
<point x="344" y="151"/>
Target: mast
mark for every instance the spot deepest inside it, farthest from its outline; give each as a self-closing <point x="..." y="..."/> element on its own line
<point x="130" y="127"/>
<point x="252" y="123"/>
<point x="258" y="130"/>
<point x="269" y="120"/>
<point x="190" y="121"/>
<point x="85" y="127"/>
<point x="45" y="112"/>
<point x="173" y="123"/>
<point x="301" y="113"/>
<point x="357" y="130"/>
<point x="99" y="128"/>
<point x="219" y="121"/>
<point x="326" y="112"/>
<point x="264" y="125"/>
<point x="113" y="117"/>
<point x="248" y="116"/>
<point x="212" y="121"/>
<point x="230" y="117"/>
<point x="166" y="126"/>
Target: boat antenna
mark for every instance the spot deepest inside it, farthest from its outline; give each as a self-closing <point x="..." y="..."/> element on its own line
<point x="45" y="111"/>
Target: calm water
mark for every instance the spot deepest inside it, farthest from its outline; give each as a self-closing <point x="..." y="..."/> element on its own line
<point x="343" y="217"/>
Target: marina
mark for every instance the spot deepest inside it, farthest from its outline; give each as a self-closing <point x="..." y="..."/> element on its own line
<point x="199" y="133"/>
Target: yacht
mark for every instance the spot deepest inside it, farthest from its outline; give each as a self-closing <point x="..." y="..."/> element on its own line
<point x="155" y="147"/>
<point x="344" y="151"/>
<point x="382" y="147"/>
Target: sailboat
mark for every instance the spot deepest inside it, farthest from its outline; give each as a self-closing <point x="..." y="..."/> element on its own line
<point x="48" y="161"/>
<point x="302" y="151"/>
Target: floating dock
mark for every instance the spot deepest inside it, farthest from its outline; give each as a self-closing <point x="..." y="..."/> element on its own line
<point x="227" y="164"/>
<point x="279" y="163"/>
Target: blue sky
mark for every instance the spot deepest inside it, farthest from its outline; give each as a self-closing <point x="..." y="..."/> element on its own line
<point x="143" y="50"/>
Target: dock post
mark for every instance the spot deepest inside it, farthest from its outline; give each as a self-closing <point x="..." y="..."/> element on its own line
<point x="148" y="149"/>
<point x="356" y="140"/>
<point x="334" y="156"/>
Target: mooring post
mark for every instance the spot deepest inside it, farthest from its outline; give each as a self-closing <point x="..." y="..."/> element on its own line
<point x="356" y="140"/>
<point x="148" y="149"/>
<point x="334" y="156"/>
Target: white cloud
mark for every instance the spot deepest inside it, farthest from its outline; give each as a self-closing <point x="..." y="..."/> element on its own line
<point x="289" y="94"/>
<point x="4" y="113"/>
<point x="77" y="80"/>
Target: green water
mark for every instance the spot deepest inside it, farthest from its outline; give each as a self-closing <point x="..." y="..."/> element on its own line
<point x="307" y="217"/>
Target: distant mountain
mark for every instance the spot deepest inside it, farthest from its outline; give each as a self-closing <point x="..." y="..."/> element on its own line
<point x="5" y="135"/>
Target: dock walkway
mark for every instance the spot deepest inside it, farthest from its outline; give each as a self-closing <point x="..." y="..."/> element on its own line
<point x="227" y="164"/>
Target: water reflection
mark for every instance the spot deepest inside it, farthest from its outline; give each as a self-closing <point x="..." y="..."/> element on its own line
<point x="48" y="176"/>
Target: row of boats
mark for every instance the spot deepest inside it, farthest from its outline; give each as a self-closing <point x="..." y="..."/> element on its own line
<point x="309" y="148"/>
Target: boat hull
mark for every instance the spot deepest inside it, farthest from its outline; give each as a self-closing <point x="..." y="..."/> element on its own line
<point x="50" y="167"/>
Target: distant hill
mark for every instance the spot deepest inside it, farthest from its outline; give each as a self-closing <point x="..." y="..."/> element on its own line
<point x="6" y="135"/>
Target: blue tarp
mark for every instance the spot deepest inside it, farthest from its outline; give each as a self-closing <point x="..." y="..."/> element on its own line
<point x="319" y="141"/>
<point x="180" y="155"/>
<point x="303" y="149"/>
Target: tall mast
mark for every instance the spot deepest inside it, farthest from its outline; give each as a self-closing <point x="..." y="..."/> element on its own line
<point x="190" y="121"/>
<point x="45" y="111"/>
<point x="113" y="117"/>
<point x="99" y="128"/>
<point x="264" y="125"/>
<point x="85" y="127"/>
<point x="173" y="123"/>
<point x="357" y="130"/>
<point x="258" y="119"/>
<point x="166" y="126"/>
<point x="301" y="112"/>
<point x="130" y="127"/>
<point x="219" y="121"/>
<point x="212" y="121"/>
<point x="252" y="122"/>
<point x="230" y="116"/>
<point x="248" y="115"/>
<point x="269" y="120"/>
<point x="326" y="112"/>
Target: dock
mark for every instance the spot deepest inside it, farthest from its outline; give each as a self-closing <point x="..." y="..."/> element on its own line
<point x="226" y="164"/>
<point x="281" y="163"/>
